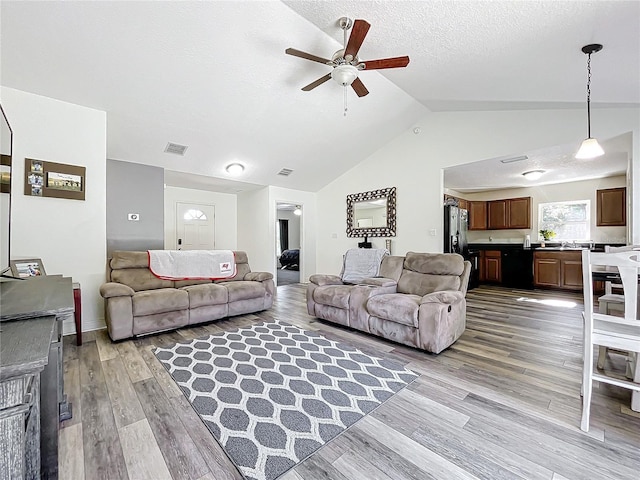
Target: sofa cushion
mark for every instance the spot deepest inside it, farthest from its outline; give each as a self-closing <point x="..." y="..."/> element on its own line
<point x="159" y="301"/>
<point x="421" y="284"/>
<point x="333" y="295"/>
<point x="139" y="279"/>
<point x="244" y="290"/>
<point x="124" y="259"/>
<point x="206" y="294"/>
<point x="395" y="307"/>
<point x="435" y="263"/>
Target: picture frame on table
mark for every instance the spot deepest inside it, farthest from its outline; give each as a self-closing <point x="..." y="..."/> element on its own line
<point x="27" y="268"/>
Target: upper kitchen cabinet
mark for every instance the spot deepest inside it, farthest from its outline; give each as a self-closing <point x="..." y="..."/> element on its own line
<point x="477" y="215"/>
<point x="497" y="214"/>
<point x="509" y="213"/>
<point x="519" y="212"/>
<point x="611" y="207"/>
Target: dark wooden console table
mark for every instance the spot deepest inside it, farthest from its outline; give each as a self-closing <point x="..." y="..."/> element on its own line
<point x="32" y="399"/>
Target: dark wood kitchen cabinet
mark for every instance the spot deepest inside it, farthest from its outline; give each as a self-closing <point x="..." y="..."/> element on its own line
<point x="497" y="214"/>
<point x="490" y="266"/>
<point x="557" y="269"/>
<point x="477" y="215"/>
<point x="519" y="212"/>
<point x="509" y="213"/>
<point x="611" y="208"/>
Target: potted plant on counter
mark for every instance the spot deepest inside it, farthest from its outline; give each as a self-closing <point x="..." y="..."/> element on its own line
<point x="546" y="235"/>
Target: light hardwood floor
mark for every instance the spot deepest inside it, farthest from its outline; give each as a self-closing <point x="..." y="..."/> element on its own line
<point x="503" y="402"/>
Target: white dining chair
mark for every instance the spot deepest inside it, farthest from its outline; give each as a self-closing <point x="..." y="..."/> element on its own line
<point x="613" y="302"/>
<point x="622" y="333"/>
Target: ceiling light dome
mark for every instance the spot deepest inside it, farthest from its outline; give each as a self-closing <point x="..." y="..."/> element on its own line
<point x="297" y="211"/>
<point x="533" y="174"/>
<point x="344" y="74"/>
<point x="234" y="168"/>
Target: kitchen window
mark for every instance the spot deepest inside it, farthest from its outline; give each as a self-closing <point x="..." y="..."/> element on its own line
<point x="570" y="220"/>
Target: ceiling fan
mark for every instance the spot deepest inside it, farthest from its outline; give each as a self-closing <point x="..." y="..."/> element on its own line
<point x="345" y="62"/>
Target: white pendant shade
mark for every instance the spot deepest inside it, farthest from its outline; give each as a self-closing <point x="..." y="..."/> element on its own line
<point x="590" y="148"/>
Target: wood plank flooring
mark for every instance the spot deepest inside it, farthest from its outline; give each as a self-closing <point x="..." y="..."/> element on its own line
<point x="502" y="403"/>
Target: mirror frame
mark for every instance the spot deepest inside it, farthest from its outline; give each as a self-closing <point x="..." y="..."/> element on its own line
<point x="390" y="230"/>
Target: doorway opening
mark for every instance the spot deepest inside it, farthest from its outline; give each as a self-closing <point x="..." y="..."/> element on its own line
<point x="288" y="239"/>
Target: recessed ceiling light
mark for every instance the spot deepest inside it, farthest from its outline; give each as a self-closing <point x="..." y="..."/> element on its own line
<point x="533" y="174"/>
<point x="234" y="168"/>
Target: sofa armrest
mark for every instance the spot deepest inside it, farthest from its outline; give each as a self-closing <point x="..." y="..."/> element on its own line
<point x="380" y="282"/>
<point x="258" y="276"/>
<point x="449" y="296"/>
<point x="321" y="280"/>
<point x="113" y="289"/>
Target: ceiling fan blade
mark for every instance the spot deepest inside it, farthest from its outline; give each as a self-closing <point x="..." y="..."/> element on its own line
<point x="359" y="88"/>
<point x="320" y="81"/>
<point x="358" y="32"/>
<point x="306" y="56"/>
<point x="394" y="62"/>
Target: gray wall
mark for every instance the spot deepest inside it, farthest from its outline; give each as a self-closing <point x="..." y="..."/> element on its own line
<point x="134" y="188"/>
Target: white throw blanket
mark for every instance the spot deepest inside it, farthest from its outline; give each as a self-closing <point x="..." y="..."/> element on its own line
<point x="192" y="264"/>
<point x="361" y="263"/>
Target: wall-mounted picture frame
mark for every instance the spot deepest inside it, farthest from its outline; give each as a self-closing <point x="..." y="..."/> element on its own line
<point x="27" y="268"/>
<point x="57" y="180"/>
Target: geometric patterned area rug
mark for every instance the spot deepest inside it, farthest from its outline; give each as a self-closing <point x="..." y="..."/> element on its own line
<point x="272" y="394"/>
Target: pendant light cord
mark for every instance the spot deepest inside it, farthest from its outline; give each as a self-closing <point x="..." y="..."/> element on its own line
<point x="589" y="96"/>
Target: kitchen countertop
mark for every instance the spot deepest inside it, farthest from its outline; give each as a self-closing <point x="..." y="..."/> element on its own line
<point x="554" y="247"/>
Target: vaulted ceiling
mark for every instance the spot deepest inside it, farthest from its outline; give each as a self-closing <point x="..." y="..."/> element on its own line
<point x="214" y="76"/>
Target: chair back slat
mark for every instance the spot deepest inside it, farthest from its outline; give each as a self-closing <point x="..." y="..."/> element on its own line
<point x="627" y="264"/>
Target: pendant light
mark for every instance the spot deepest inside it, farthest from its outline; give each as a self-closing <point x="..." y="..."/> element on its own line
<point x="590" y="148"/>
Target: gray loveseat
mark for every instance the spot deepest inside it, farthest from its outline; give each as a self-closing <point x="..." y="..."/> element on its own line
<point x="417" y="300"/>
<point x="137" y="302"/>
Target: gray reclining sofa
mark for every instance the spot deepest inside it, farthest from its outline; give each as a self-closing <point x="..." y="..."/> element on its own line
<point x="137" y="302"/>
<point x="417" y="300"/>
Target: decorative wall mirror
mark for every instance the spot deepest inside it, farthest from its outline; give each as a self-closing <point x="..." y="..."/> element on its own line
<point x="372" y="214"/>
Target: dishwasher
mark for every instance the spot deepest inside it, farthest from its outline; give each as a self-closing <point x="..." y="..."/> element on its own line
<point x="517" y="268"/>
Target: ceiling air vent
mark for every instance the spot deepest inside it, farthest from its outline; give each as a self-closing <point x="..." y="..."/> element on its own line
<point x="175" y="148"/>
<point x="514" y="159"/>
<point x="285" y="172"/>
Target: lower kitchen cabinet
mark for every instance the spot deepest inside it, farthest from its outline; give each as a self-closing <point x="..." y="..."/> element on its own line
<point x="490" y="266"/>
<point x="558" y="269"/>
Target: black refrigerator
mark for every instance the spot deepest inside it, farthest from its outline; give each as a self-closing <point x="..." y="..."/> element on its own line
<point x="456" y="223"/>
<point x="455" y="230"/>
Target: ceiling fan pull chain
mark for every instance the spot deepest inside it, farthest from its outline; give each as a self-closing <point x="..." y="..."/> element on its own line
<point x="345" y="100"/>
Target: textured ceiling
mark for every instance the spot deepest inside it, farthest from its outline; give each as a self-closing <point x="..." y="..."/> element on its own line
<point x="558" y="163"/>
<point x="214" y="76"/>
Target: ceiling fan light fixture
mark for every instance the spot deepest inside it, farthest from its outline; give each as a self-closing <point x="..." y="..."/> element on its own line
<point x="345" y="75"/>
<point x="234" y="168"/>
<point x="590" y="147"/>
<point x="533" y="174"/>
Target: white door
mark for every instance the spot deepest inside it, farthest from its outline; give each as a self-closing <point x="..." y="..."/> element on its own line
<point x="195" y="227"/>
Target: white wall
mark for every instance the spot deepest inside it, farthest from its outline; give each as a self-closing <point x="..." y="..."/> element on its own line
<point x="226" y="215"/>
<point x="68" y="235"/>
<point x="414" y="163"/>
<point x="255" y="231"/>
<point x="561" y="192"/>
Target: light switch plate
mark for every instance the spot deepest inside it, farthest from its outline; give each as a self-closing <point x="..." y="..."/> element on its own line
<point x="134" y="217"/>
